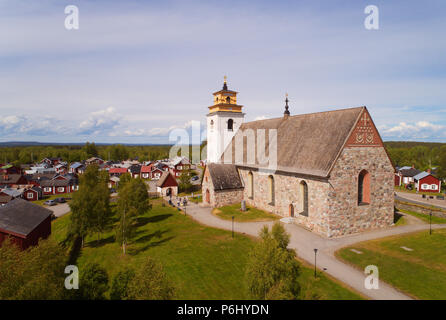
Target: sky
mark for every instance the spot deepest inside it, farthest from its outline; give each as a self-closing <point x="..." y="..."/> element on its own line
<point x="136" y="70"/>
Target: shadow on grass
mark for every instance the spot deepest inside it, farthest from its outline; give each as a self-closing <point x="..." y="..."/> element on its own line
<point x="75" y="251"/>
<point x="151" y="240"/>
<point x="142" y="221"/>
<point x="102" y="241"/>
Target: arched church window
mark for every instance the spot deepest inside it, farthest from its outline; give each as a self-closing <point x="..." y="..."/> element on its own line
<point x="230" y="124"/>
<point x="271" y="190"/>
<point x="228" y="100"/>
<point x="250" y="185"/>
<point x="363" y="187"/>
<point x="303" y="190"/>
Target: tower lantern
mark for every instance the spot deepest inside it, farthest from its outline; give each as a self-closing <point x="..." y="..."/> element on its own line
<point x="223" y="120"/>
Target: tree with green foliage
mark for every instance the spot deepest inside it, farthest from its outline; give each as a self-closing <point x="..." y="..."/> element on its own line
<point x="184" y="181"/>
<point x="272" y="272"/>
<point x="119" y="289"/>
<point x="90" y="149"/>
<point x="33" y="274"/>
<point x="133" y="201"/>
<point x="93" y="283"/>
<point x="90" y="205"/>
<point x="123" y="179"/>
<point x="150" y="283"/>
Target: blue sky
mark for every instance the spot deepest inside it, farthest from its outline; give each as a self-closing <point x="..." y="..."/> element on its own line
<point x="137" y="69"/>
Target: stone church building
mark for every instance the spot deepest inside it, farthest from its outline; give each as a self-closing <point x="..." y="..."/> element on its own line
<point x="331" y="172"/>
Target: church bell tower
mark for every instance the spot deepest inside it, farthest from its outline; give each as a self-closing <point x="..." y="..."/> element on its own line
<point x="223" y="120"/>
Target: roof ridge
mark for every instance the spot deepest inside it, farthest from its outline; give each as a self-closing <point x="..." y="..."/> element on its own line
<point x="307" y="114"/>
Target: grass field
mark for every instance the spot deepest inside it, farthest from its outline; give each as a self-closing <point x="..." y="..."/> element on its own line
<point x="420" y="272"/>
<point x="251" y="214"/>
<point x="202" y="262"/>
<point x="425" y="217"/>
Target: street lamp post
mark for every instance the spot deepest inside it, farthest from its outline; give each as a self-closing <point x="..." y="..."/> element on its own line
<point x="430" y="223"/>
<point x="315" y="252"/>
<point x="232" y="226"/>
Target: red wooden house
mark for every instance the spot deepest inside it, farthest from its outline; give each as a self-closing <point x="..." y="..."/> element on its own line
<point x="145" y="171"/>
<point x="426" y="182"/>
<point x="24" y="223"/>
<point x="33" y="194"/>
<point x="13" y="180"/>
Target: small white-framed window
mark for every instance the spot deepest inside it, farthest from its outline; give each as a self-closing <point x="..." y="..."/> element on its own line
<point x="61" y="189"/>
<point x="30" y="195"/>
<point x="47" y="189"/>
<point x="434" y="187"/>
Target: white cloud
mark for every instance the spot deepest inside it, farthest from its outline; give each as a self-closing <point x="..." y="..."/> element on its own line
<point x="99" y="122"/>
<point x="417" y="130"/>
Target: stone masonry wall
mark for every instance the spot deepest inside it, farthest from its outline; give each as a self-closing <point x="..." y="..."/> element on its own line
<point x="287" y="193"/>
<point x="219" y="198"/>
<point x="346" y="216"/>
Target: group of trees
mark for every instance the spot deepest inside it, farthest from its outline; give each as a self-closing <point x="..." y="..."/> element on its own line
<point x="421" y="155"/>
<point x="30" y="154"/>
<point x="36" y="273"/>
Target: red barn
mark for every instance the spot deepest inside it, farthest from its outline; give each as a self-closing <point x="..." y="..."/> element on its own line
<point x="24" y="222"/>
<point x="426" y="182"/>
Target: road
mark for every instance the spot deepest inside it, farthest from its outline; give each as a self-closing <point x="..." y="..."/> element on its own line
<point x="60" y="209"/>
<point x="417" y="199"/>
<point x="304" y="242"/>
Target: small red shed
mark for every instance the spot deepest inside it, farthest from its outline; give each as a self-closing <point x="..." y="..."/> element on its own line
<point x="24" y="222"/>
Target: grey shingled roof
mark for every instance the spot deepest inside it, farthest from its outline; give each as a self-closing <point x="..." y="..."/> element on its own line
<point x="421" y="175"/>
<point x="306" y="144"/>
<point x="22" y="217"/>
<point x="224" y="176"/>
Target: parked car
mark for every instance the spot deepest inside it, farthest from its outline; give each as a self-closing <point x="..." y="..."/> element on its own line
<point x="50" y="203"/>
<point x="195" y="178"/>
<point x="60" y="200"/>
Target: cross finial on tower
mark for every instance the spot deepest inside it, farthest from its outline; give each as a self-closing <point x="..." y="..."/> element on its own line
<point x="225" y="83"/>
<point x="286" y="113"/>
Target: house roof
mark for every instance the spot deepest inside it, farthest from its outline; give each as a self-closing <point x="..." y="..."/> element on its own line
<point x="13" y="192"/>
<point x="5" y="198"/>
<point x="56" y="183"/>
<point x="306" y="144"/>
<point x="76" y="165"/>
<point x="224" y="176"/>
<point x="146" y="169"/>
<point x="21" y="217"/>
<point x="421" y="175"/>
<point x="117" y="170"/>
<point x="164" y="177"/>
<point x="11" y="178"/>
<point x="409" y="171"/>
<point x="135" y="168"/>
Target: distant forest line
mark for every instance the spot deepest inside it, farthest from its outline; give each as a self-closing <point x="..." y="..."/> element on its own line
<point x="422" y="155"/>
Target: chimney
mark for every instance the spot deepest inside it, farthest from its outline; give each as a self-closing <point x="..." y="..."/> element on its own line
<point x="413" y="166"/>
<point x="428" y="170"/>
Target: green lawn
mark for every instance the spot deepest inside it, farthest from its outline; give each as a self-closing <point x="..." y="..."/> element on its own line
<point x="251" y="214"/>
<point x="425" y="217"/>
<point x="202" y="262"/>
<point x="420" y="273"/>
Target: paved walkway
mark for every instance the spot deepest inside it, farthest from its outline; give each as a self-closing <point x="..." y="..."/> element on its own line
<point x="304" y="242"/>
<point x="416" y="198"/>
<point x="60" y="209"/>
